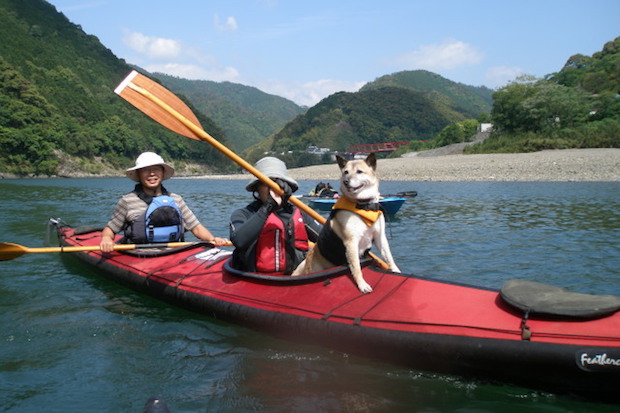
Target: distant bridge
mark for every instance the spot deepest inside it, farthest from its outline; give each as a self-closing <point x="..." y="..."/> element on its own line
<point x="376" y="147"/>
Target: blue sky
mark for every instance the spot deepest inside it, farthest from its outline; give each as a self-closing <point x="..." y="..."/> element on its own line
<point x="307" y="50"/>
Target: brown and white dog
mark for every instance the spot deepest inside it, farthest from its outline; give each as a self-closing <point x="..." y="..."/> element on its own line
<point x="356" y="222"/>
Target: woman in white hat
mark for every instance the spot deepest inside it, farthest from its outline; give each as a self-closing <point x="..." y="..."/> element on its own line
<point x="151" y="214"/>
<point x="270" y="234"/>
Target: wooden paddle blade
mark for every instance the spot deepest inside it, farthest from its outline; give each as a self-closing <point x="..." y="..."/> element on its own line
<point x="128" y="89"/>
<point x="10" y="251"/>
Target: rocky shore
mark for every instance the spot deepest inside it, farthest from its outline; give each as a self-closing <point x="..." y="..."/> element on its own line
<point x="579" y="165"/>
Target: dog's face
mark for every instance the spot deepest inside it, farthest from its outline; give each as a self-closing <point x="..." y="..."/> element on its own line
<point x="358" y="180"/>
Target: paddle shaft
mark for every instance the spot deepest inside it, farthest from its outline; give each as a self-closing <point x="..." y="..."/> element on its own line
<point x="118" y="247"/>
<point x="9" y="251"/>
<point x="204" y="136"/>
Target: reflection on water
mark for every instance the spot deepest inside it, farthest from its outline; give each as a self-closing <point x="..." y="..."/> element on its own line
<point x="73" y="339"/>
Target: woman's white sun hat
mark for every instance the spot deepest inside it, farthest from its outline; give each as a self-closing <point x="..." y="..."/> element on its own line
<point x="149" y="159"/>
<point x="272" y="168"/>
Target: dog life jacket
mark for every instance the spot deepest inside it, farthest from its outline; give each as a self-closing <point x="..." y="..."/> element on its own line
<point x="162" y="222"/>
<point x="275" y="241"/>
<point x="330" y="245"/>
<point x="369" y="212"/>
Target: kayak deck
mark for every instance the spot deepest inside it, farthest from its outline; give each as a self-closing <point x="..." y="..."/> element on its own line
<point x="398" y="302"/>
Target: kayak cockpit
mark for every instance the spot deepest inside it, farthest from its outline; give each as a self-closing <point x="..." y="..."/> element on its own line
<point x="287" y="279"/>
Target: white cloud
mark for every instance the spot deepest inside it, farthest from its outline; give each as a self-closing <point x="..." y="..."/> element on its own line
<point x="229" y="25"/>
<point x="444" y="56"/>
<point x="174" y="58"/>
<point x="308" y="93"/>
<point x="153" y="47"/>
<point x="193" y="72"/>
<point x="499" y="76"/>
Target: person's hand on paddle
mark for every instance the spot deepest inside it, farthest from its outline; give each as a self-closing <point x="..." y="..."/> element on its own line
<point x="107" y="240"/>
<point x="275" y="200"/>
<point x="287" y="192"/>
<point x="202" y="233"/>
<point x="219" y="242"/>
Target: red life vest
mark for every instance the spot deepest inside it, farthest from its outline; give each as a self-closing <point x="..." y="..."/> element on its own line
<point x="276" y="239"/>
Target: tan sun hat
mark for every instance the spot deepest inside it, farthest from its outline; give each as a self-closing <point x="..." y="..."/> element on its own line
<point x="149" y="159"/>
<point x="272" y="168"/>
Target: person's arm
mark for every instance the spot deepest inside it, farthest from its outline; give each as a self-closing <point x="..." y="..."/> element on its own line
<point x="246" y="225"/>
<point x="202" y="233"/>
<point x="117" y="221"/>
<point x="107" y="240"/>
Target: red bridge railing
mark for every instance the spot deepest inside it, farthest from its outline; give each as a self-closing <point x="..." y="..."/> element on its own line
<point x="377" y="147"/>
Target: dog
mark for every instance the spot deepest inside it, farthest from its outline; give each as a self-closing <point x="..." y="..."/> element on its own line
<point x="356" y="222"/>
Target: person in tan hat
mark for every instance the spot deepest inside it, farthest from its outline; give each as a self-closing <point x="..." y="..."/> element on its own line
<point x="151" y="214"/>
<point x="271" y="235"/>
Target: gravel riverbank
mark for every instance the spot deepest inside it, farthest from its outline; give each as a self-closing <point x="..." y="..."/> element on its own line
<point x="579" y="165"/>
<point x="585" y="165"/>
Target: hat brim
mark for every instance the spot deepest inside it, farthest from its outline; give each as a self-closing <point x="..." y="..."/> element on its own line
<point x="253" y="184"/>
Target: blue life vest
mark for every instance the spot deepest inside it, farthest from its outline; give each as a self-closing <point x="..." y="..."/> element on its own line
<point x="161" y="223"/>
<point x="164" y="222"/>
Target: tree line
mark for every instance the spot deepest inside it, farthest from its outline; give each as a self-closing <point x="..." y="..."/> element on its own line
<point x="578" y="107"/>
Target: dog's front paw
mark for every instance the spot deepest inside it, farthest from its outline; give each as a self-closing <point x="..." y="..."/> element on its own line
<point x="364" y="287"/>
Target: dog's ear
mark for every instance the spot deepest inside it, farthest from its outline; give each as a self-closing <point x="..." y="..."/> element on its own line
<point x="371" y="160"/>
<point x="341" y="161"/>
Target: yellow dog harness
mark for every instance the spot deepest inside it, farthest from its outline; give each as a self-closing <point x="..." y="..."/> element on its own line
<point x="370" y="216"/>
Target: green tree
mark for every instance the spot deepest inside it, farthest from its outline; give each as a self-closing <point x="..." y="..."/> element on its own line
<point x="456" y="132"/>
<point x="530" y="105"/>
<point x="508" y="113"/>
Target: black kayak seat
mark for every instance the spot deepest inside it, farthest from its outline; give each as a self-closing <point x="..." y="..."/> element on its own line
<point x="547" y="300"/>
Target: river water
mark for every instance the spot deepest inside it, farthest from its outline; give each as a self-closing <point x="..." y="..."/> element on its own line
<point x="71" y="341"/>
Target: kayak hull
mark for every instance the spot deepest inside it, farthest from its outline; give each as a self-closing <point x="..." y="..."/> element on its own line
<point x="416" y="322"/>
<point x="391" y="205"/>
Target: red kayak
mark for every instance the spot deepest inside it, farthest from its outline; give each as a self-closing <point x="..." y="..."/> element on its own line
<point x="527" y="334"/>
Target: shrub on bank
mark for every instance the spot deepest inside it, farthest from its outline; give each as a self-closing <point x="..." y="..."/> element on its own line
<point x="600" y="134"/>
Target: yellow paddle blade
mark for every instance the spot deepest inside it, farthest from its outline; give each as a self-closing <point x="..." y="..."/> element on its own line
<point x="135" y="86"/>
<point x="10" y="251"/>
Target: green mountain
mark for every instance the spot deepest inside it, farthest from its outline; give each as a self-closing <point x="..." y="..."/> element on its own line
<point x="405" y="106"/>
<point x="469" y="101"/>
<point x="599" y="73"/>
<point x="246" y="114"/>
<point x="58" y="112"/>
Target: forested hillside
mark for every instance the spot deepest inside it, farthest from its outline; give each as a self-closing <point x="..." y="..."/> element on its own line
<point x="406" y="106"/>
<point x="57" y="102"/>
<point x="599" y="73"/>
<point x="468" y="101"/>
<point x="578" y="107"/>
<point x="246" y="114"/>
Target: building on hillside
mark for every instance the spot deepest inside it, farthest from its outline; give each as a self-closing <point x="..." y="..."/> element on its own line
<point x="485" y="127"/>
<point x="316" y="150"/>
